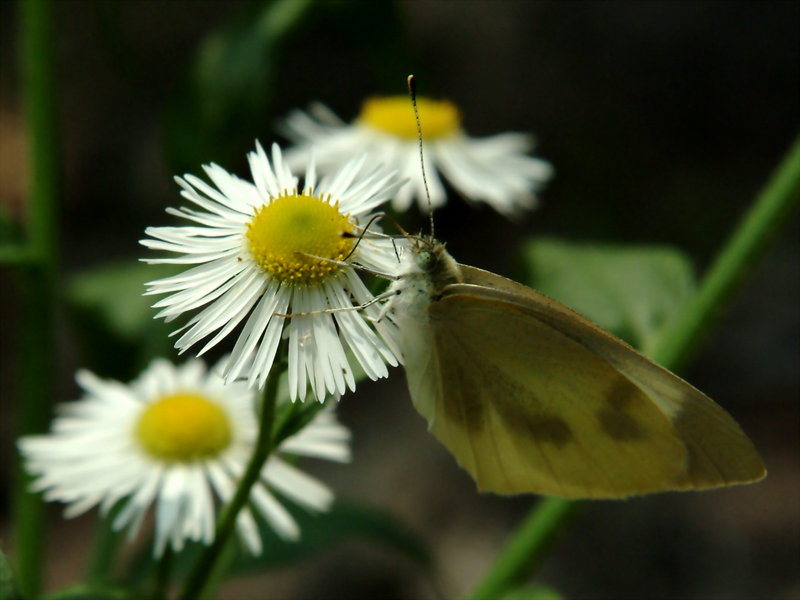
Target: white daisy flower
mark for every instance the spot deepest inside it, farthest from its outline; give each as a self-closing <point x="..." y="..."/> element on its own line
<point x="175" y="438"/>
<point x="262" y="251"/>
<point x="495" y="169"/>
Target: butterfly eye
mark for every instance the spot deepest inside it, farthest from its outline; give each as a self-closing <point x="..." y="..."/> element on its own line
<point x="426" y="260"/>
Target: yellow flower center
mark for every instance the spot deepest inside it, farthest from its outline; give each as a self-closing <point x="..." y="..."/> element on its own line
<point x="291" y="237"/>
<point x="183" y="428"/>
<point x="395" y="115"/>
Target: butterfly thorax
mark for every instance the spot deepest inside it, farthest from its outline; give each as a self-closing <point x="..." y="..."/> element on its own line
<point x="433" y="263"/>
<point x="426" y="271"/>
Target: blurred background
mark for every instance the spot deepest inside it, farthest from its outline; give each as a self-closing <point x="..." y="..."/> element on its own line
<point x="662" y="120"/>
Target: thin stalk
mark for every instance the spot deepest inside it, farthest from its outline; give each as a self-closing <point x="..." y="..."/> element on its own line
<point x="217" y="576"/>
<point x="163" y="574"/>
<point x="104" y="549"/>
<point x="531" y="542"/>
<point x="37" y="297"/>
<point x="528" y="547"/>
<point x="8" y="585"/>
<point x="738" y="257"/>
<point x="200" y="576"/>
<point x="14" y="254"/>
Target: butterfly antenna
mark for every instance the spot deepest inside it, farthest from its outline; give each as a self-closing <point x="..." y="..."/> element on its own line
<point x="361" y="235"/>
<point x="397" y="225"/>
<point x="412" y="91"/>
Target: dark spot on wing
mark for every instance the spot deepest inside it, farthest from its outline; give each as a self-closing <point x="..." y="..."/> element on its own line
<point x="468" y="394"/>
<point x="616" y="420"/>
<point x="548" y="428"/>
<point x="520" y="409"/>
<point x="622" y="394"/>
<point x="461" y="400"/>
<point x="523" y="415"/>
<point x="620" y="425"/>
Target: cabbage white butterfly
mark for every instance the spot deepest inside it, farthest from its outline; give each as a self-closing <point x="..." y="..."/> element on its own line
<point x="529" y="396"/>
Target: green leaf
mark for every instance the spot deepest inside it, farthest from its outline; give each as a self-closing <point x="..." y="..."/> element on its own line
<point x="9" y="231"/>
<point x="90" y="591"/>
<point x="239" y="77"/>
<point x="224" y="100"/>
<point x="8" y="589"/>
<point x="116" y="320"/>
<point x="532" y="592"/>
<point x="632" y="291"/>
<point x="344" y="520"/>
<point x="116" y="291"/>
<point x="12" y="246"/>
<point x="318" y="531"/>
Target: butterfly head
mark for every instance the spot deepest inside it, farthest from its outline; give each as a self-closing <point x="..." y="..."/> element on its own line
<point x="434" y="263"/>
<point x="426" y="270"/>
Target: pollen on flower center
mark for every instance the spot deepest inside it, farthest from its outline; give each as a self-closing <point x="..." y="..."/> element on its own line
<point x="286" y="235"/>
<point x="395" y="115"/>
<point x="183" y="428"/>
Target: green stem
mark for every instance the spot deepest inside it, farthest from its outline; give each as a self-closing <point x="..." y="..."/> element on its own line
<point x="8" y="586"/>
<point x="528" y="547"/>
<point x="533" y="539"/>
<point x="14" y="254"/>
<point x="37" y="299"/>
<point x="104" y="548"/>
<point x="750" y="239"/>
<point x="220" y="570"/>
<point x="163" y="575"/>
<point x="199" y="579"/>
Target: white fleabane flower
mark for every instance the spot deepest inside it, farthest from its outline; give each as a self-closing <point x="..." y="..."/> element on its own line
<point x="494" y="169"/>
<point x="174" y="439"/>
<point x="261" y="251"/>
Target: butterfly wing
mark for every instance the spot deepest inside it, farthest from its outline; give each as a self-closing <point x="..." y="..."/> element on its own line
<point x="531" y="397"/>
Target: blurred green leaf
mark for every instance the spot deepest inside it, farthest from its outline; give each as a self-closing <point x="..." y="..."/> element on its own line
<point x="229" y="87"/>
<point x="344" y="520"/>
<point x="8" y="230"/>
<point x="231" y="91"/>
<point x="116" y="291"/>
<point x="318" y="531"/>
<point x="630" y="290"/>
<point x="91" y="591"/>
<point x="116" y="320"/>
<point x="8" y="589"/>
<point x="532" y="592"/>
<point x="12" y="248"/>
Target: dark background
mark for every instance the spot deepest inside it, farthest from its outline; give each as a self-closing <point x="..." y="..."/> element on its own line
<point x="662" y="119"/>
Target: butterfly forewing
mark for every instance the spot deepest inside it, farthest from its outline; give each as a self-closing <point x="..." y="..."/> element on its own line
<point x="719" y="452"/>
<point x="531" y="397"/>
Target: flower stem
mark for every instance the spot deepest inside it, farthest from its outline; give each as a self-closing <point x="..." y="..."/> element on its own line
<point x="199" y="579"/>
<point x="104" y="550"/>
<point x="163" y="574"/>
<point x="749" y="241"/>
<point x="533" y="539"/>
<point x="220" y="570"/>
<point x="37" y="274"/>
<point x="528" y="546"/>
<point x="8" y="586"/>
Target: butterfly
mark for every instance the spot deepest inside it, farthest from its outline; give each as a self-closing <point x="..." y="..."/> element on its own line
<point x="531" y="397"/>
